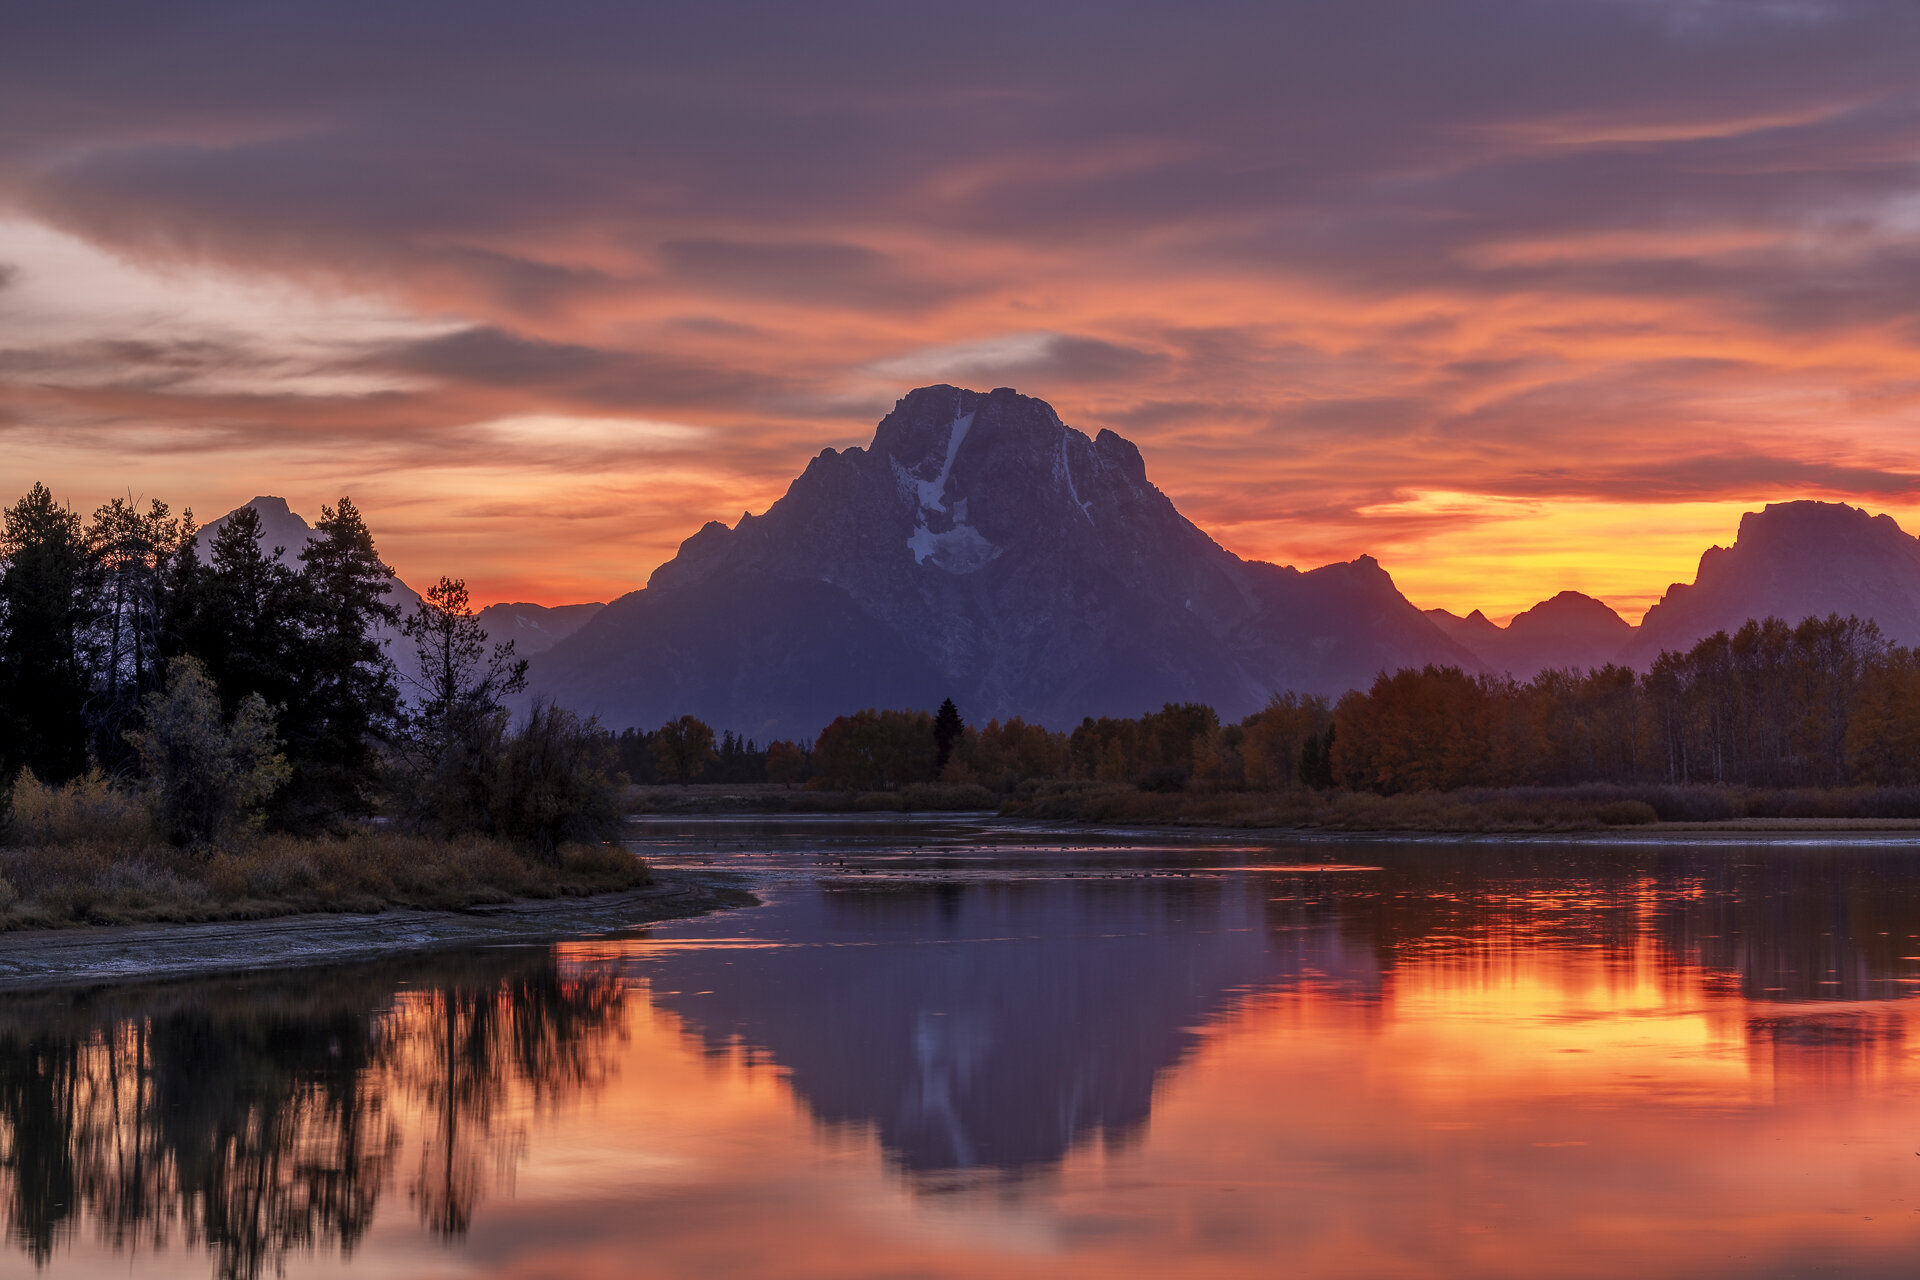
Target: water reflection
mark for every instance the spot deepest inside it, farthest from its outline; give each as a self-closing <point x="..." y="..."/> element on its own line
<point x="993" y="1029"/>
<point x="253" y="1119"/>
<point x="990" y="1031"/>
<point x="1446" y="1060"/>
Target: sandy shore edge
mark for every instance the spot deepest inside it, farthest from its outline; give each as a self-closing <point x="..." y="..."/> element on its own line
<point x="33" y="960"/>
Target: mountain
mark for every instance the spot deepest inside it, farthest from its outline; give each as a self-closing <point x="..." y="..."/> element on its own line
<point x="981" y="549"/>
<point x="1792" y="560"/>
<point x="535" y="628"/>
<point x="1570" y="630"/>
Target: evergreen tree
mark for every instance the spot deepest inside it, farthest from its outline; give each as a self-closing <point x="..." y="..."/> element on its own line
<point x="456" y="739"/>
<point x="947" y="730"/>
<point x="183" y="589"/>
<point x="456" y="668"/>
<point x="245" y="629"/>
<point x="129" y="552"/>
<point x="349" y="699"/>
<point x="43" y="598"/>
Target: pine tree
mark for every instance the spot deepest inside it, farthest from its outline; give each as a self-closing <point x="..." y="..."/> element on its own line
<point x="456" y="668"/>
<point x="129" y="551"/>
<point x="43" y="599"/>
<point x="947" y="729"/>
<point x="349" y="699"/>
<point x="246" y="629"/>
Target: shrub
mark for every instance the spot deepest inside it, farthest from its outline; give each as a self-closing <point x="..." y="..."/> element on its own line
<point x="1166" y="777"/>
<point x="89" y="810"/>
<point x="552" y="784"/>
<point x="207" y="778"/>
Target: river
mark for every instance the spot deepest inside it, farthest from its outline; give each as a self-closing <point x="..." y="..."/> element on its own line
<point x="948" y="1047"/>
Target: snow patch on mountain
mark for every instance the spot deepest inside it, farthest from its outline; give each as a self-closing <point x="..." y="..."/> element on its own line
<point x="1063" y="470"/>
<point x="959" y="548"/>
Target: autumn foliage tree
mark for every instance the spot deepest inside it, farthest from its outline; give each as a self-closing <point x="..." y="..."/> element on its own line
<point x="875" y="750"/>
<point x="683" y="749"/>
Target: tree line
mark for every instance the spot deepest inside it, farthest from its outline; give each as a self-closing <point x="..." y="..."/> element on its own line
<point x="1825" y="703"/>
<point x="243" y="687"/>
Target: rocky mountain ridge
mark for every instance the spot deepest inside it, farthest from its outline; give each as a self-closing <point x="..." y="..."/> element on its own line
<point x="1789" y="560"/>
<point x="1569" y="630"/>
<point x="978" y="548"/>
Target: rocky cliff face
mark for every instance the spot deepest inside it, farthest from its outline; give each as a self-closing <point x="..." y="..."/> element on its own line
<point x="979" y="548"/>
<point x="1792" y="560"/>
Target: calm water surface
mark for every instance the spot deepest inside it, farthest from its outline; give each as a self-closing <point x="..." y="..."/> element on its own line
<point x="946" y="1050"/>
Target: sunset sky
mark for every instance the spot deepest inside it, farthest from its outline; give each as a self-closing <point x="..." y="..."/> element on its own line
<point x="1515" y="295"/>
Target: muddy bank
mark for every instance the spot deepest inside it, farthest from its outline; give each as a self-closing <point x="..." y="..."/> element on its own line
<point x="117" y="953"/>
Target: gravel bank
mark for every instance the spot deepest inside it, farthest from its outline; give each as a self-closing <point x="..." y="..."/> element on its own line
<point x="118" y="953"/>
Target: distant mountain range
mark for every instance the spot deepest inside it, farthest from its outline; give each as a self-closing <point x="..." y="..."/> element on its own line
<point x="981" y="549"/>
<point x="1570" y="630"/>
<point x="1791" y="560"/>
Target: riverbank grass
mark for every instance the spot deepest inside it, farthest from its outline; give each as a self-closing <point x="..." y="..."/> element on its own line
<point x="87" y="853"/>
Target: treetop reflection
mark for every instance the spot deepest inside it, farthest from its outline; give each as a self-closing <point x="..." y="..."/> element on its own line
<point x="254" y="1118"/>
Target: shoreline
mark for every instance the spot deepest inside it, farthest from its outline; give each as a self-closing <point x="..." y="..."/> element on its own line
<point x="98" y="954"/>
<point x="1202" y="827"/>
<point x="87" y="955"/>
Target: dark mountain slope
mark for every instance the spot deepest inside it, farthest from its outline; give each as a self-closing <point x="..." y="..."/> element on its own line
<point x="981" y="549"/>
<point x="1792" y="560"/>
<point x="1569" y="631"/>
<point x="535" y="628"/>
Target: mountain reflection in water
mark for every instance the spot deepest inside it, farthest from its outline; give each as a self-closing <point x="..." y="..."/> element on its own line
<point x="1488" y="1059"/>
<point x="990" y="1031"/>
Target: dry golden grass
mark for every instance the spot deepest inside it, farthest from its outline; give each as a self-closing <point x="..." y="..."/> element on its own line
<point x="87" y="882"/>
<point x="86" y="853"/>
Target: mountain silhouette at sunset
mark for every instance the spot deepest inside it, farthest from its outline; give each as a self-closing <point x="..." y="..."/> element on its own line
<point x="1569" y="630"/>
<point x="981" y="549"/>
<point x="1793" y="560"/>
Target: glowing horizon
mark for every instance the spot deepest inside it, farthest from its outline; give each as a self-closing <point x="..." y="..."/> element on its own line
<point x="1356" y="279"/>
